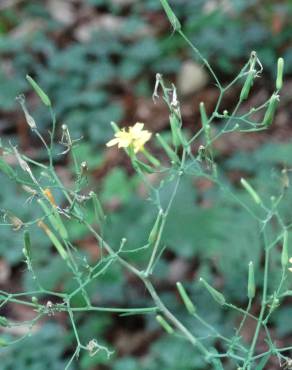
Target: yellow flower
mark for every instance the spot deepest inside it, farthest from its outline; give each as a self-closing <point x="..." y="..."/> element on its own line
<point x="134" y="137"/>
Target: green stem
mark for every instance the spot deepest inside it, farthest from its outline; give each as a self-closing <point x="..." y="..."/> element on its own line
<point x="262" y="312"/>
<point x="176" y="323"/>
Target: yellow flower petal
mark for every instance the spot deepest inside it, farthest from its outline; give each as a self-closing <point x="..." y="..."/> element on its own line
<point x="124" y="143"/>
<point x="112" y="142"/>
<point x="136" y="130"/>
<point x="135" y="137"/>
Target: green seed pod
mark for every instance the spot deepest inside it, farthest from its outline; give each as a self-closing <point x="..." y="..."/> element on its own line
<point x="49" y="213"/>
<point x="247" y="85"/>
<point x="98" y="211"/>
<point x="40" y="92"/>
<point x="142" y="166"/>
<point x="175" y="129"/>
<point x="251" y="191"/>
<point x="251" y="281"/>
<point x="3" y="321"/>
<point x="250" y="77"/>
<point x="171" y="16"/>
<point x="164" y="324"/>
<point x="205" y="125"/>
<point x="115" y="127"/>
<point x="54" y="218"/>
<point x="284" y="255"/>
<point x="155" y="229"/>
<point x="204" y="117"/>
<point x="61" y="228"/>
<point x="270" y="112"/>
<point x="27" y="245"/>
<point x="55" y="241"/>
<point x="8" y="170"/>
<point x="280" y="70"/>
<point x="170" y="153"/>
<point x="151" y="158"/>
<point x="185" y="298"/>
<point x="218" y="297"/>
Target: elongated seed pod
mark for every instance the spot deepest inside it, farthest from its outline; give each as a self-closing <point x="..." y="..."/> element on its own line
<point x="270" y="112"/>
<point x="27" y="244"/>
<point x="55" y="241"/>
<point x="251" y="281"/>
<point x="143" y="166"/>
<point x="164" y="324"/>
<point x="204" y="117"/>
<point x="49" y="213"/>
<point x="217" y="296"/>
<point x="250" y="77"/>
<point x="151" y="158"/>
<point x="185" y="298"/>
<point x="247" y="85"/>
<point x="171" y="16"/>
<point x="40" y="92"/>
<point x="205" y="125"/>
<point x="284" y="254"/>
<point x="175" y="129"/>
<point x="8" y="170"/>
<point x="59" y="223"/>
<point x="155" y="229"/>
<point x="98" y="211"/>
<point x="61" y="227"/>
<point x="55" y="219"/>
<point x="251" y="191"/>
<point x="280" y="70"/>
<point x="115" y="127"/>
<point x="170" y="153"/>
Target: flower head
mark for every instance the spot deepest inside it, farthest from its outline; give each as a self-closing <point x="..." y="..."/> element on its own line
<point x="135" y="137"/>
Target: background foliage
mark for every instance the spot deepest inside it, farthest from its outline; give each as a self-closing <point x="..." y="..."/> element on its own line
<point x="97" y="61"/>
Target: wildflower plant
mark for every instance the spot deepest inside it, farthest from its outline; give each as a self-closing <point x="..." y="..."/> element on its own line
<point x="184" y="155"/>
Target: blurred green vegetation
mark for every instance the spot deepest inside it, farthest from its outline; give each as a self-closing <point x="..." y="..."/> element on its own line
<point x="87" y="72"/>
<point x="88" y="64"/>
